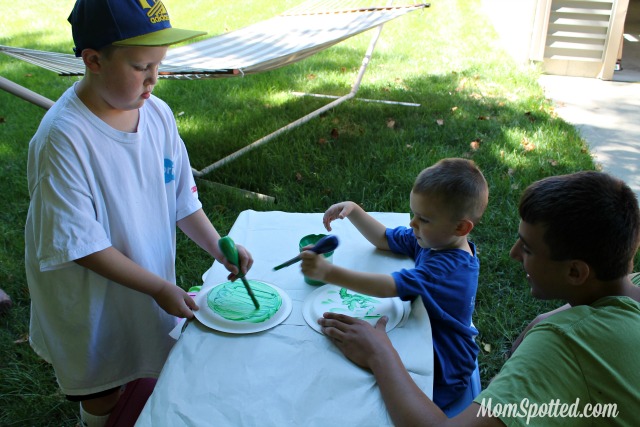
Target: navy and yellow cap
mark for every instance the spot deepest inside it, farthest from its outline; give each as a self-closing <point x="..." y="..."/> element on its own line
<point x="99" y="23"/>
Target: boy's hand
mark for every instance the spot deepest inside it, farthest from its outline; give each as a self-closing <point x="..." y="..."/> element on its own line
<point x="175" y="301"/>
<point x="314" y="266"/>
<point x="244" y="258"/>
<point x="338" y="211"/>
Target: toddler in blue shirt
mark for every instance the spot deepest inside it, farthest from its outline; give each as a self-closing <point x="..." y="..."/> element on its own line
<point x="447" y="200"/>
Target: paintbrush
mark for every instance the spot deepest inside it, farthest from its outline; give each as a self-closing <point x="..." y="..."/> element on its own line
<point x="228" y="248"/>
<point x="326" y="244"/>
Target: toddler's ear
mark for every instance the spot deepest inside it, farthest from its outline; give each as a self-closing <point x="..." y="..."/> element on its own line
<point x="464" y="227"/>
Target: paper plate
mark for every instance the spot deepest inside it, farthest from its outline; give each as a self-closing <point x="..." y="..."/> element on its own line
<point x="241" y="307"/>
<point x="340" y="300"/>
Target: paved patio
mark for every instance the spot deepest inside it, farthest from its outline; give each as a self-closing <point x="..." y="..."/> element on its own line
<point x="607" y="113"/>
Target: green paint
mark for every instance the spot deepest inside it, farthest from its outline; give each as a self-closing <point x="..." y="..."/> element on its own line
<point x="357" y="305"/>
<point x="231" y="301"/>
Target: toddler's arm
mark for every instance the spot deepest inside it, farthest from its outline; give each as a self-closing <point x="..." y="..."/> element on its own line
<point x="316" y="267"/>
<point x="115" y="266"/>
<point x="369" y="227"/>
<point x="199" y="229"/>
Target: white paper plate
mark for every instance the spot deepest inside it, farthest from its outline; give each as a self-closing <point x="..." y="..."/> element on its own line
<point x="214" y="321"/>
<point x="340" y="300"/>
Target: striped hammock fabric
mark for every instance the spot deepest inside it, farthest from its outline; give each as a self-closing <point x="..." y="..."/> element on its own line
<point x="289" y="37"/>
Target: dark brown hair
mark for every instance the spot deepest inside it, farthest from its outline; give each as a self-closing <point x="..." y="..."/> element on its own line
<point x="590" y="216"/>
<point x="458" y="184"/>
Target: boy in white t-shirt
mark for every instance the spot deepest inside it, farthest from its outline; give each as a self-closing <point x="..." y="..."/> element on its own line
<point x="109" y="179"/>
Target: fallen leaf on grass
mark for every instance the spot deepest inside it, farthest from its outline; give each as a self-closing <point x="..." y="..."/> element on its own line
<point x="334" y="133"/>
<point x="391" y="123"/>
<point x="23" y="338"/>
<point x="486" y="347"/>
<point x="298" y="177"/>
<point x="527" y="145"/>
<point x="440" y="122"/>
<point x="322" y="141"/>
<point x="461" y="84"/>
<point x="475" y="144"/>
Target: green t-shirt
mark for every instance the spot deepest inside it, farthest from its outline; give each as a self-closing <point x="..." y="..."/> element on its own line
<point x="579" y="367"/>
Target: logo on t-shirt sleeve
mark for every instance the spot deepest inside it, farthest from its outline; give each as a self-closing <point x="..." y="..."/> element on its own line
<point x="168" y="171"/>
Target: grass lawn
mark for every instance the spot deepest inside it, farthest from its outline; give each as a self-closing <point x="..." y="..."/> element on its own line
<point x="475" y="102"/>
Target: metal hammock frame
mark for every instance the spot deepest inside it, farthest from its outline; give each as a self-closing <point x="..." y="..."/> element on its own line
<point x="294" y="35"/>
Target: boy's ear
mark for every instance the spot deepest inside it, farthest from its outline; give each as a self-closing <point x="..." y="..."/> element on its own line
<point x="91" y="59"/>
<point x="578" y="272"/>
<point x="464" y="227"/>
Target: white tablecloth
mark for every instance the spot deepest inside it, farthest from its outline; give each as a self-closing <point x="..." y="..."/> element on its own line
<point x="289" y="375"/>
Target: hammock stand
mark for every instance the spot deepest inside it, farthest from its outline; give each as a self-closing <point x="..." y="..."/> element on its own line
<point x="289" y="37"/>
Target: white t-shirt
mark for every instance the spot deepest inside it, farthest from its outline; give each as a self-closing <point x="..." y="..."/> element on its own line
<point x="93" y="187"/>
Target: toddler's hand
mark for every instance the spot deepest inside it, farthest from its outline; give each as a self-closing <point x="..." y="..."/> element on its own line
<point x="314" y="266"/>
<point x="175" y="301"/>
<point x="338" y="211"/>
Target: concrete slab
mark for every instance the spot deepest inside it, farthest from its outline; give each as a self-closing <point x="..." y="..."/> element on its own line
<point x="607" y="114"/>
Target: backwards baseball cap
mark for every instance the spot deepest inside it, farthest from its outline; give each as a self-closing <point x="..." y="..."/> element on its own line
<point x="99" y="23"/>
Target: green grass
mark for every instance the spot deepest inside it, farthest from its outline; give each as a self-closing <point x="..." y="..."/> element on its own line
<point x="445" y="58"/>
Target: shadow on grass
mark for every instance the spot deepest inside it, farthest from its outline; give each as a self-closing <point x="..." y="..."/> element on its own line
<point x="374" y="163"/>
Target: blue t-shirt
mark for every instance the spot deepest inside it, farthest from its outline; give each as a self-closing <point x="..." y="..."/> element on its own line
<point x="447" y="281"/>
